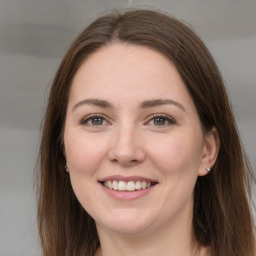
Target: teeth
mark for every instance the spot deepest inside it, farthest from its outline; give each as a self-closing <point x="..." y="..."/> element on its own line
<point x="127" y="186"/>
<point x="138" y="185"/>
<point x="110" y="185"/>
<point x="130" y="186"/>
<point x="121" y="185"/>
<point x="115" y="185"/>
<point x="143" y="184"/>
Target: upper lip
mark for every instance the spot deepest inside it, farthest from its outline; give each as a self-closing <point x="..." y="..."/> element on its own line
<point x="126" y="178"/>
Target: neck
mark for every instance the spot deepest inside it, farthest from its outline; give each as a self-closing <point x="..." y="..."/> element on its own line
<point x="146" y="246"/>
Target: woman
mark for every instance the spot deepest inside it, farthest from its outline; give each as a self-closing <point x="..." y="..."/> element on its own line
<point x="139" y="117"/>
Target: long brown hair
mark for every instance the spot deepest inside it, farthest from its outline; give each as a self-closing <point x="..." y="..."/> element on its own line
<point x="222" y="217"/>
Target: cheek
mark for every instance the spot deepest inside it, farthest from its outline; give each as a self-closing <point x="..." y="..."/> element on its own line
<point x="177" y="158"/>
<point x="177" y="153"/>
<point x="84" y="154"/>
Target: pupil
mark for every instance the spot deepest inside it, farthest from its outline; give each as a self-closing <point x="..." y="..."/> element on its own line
<point x="97" y="121"/>
<point x="159" y="121"/>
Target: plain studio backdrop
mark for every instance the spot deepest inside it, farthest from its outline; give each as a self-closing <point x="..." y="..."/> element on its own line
<point x="34" y="35"/>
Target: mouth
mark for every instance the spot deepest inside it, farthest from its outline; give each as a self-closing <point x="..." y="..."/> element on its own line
<point x="127" y="186"/>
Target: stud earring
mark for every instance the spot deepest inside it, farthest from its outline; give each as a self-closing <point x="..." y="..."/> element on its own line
<point x="66" y="167"/>
<point x="208" y="169"/>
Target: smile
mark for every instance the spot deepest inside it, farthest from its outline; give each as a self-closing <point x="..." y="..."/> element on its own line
<point x="123" y="188"/>
<point x="127" y="186"/>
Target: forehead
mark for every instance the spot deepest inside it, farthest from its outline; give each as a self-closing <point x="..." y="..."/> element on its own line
<point x="129" y="59"/>
<point x="136" y="72"/>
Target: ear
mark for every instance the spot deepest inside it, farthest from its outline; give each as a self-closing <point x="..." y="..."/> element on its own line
<point x="210" y="151"/>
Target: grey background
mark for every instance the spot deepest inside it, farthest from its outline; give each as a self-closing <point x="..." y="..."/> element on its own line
<point x="34" y="35"/>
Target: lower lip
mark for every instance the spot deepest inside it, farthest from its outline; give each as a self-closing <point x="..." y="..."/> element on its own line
<point x="127" y="195"/>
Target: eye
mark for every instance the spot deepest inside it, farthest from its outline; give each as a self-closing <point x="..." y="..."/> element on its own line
<point x="161" y="120"/>
<point x="94" y="120"/>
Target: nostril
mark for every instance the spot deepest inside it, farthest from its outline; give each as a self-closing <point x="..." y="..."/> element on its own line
<point x="126" y="150"/>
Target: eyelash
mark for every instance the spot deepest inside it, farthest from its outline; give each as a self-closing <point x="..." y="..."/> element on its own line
<point x="170" y="121"/>
<point x="86" y="120"/>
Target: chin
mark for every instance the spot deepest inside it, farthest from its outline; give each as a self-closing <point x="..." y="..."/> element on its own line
<point x="126" y="223"/>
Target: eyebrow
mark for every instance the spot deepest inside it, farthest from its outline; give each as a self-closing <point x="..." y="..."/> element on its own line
<point x="159" y="102"/>
<point x="144" y="104"/>
<point x="93" y="102"/>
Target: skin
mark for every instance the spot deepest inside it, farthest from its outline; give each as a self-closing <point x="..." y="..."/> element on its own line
<point x="129" y="139"/>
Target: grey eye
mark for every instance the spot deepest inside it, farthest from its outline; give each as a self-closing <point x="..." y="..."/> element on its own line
<point x="160" y="121"/>
<point x="97" y="121"/>
<point x="94" y="121"/>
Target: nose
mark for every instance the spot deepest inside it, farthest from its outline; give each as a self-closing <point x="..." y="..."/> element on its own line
<point x="126" y="148"/>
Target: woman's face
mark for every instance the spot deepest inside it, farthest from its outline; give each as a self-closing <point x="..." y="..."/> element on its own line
<point x="133" y="141"/>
